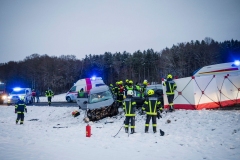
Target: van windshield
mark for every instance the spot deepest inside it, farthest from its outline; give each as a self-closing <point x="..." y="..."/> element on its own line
<point x="99" y="97"/>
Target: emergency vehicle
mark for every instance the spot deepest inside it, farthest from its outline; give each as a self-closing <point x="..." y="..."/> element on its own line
<point x="17" y="92"/>
<point x="3" y="94"/>
<point x="86" y="84"/>
<point x="232" y="68"/>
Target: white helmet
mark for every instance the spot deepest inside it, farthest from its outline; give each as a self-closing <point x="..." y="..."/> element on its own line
<point x="130" y="92"/>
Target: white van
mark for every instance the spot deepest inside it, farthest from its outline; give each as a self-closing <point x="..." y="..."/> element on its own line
<point x="86" y="84"/>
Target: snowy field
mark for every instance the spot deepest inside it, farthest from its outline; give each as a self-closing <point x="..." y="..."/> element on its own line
<point x="51" y="133"/>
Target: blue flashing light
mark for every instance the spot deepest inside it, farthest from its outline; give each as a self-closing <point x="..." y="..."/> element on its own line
<point x="237" y="62"/>
<point x="16" y="89"/>
<point x="93" y="78"/>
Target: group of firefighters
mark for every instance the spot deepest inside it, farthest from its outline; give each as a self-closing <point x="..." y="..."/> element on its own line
<point x="124" y="93"/>
<point x="152" y="105"/>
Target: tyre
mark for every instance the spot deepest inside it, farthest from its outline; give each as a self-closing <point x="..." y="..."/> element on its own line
<point x="68" y="99"/>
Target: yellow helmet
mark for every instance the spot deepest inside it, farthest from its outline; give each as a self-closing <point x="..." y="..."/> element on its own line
<point x="120" y="82"/>
<point x="150" y="92"/>
<point x="131" y="82"/>
<point x="117" y="83"/>
<point x="127" y="80"/>
<point x="169" y="76"/>
<point x="145" y="82"/>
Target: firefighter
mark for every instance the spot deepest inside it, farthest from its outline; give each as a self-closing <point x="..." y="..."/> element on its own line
<point x="49" y="94"/>
<point x="170" y="87"/>
<point x="120" y="93"/>
<point x="126" y="85"/>
<point x="129" y="107"/>
<point x="137" y="89"/>
<point x="151" y="106"/>
<point x="111" y="88"/>
<point x="145" y="83"/>
<point x="129" y="86"/>
<point x="20" y="107"/>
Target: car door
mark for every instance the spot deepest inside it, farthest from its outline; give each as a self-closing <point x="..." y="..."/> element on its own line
<point x="81" y="100"/>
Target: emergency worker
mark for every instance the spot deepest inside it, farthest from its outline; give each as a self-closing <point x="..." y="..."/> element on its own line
<point x="129" y="86"/>
<point x="143" y="89"/>
<point x="120" y="93"/>
<point x="151" y="106"/>
<point x="126" y="84"/>
<point x="129" y="107"/>
<point x="49" y="94"/>
<point x="137" y="88"/>
<point x="170" y="87"/>
<point x="111" y="88"/>
<point x="81" y="93"/>
<point x="20" y="107"/>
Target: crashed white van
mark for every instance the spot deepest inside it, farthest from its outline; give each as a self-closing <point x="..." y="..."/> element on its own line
<point x="86" y="84"/>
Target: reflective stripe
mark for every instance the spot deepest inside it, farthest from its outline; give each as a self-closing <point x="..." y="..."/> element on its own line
<point x="128" y="115"/>
<point x="146" y="125"/>
<point x="20" y="112"/>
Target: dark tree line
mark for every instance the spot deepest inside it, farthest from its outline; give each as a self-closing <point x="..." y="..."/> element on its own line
<point x="59" y="73"/>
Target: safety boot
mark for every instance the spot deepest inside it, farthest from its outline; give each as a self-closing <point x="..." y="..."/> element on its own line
<point x="132" y="130"/>
<point x="126" y="130"/>
<point x="146" y="129"/>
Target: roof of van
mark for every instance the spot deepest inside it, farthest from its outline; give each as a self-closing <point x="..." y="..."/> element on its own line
<point x="99" y="89"/>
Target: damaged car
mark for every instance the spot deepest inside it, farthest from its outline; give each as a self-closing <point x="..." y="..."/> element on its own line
<point x="99" y="103"/>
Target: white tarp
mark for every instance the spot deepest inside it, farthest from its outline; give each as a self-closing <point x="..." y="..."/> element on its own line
<point x="206" y="92"/>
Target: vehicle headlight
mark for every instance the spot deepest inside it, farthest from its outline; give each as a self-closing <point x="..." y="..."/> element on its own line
<point x="4" y="97"/>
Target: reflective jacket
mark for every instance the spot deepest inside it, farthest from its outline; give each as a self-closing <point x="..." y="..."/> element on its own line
<point x="20" y="107"/>
<point x="170" y="86"/>
<point x="151" y="105"/>
<point x="129" y="107"/>
<point x="49" y="93"/>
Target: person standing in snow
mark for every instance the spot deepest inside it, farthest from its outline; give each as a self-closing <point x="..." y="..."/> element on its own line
<point x="170" y="87"/>
<point x="129" y="107"/>
<point x="151" y="106"/>
<point x="49" y="94"/>
<point x="20" y="107"/>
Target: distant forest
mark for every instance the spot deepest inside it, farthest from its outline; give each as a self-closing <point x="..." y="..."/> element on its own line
<point x="59" y="73"/>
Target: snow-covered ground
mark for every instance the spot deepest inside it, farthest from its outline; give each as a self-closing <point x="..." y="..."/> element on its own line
<point x="51" y="133"/>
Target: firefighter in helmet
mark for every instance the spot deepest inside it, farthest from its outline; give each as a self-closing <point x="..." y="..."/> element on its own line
<point x="120" y="93"/>
<point x="129" y="107"/>
<point x="20" y="107"/>
<point x="151" y="106"/>
<point x="145" y="83"/>
<point x="170" y="87"/>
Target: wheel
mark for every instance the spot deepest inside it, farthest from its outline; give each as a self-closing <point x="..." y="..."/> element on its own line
<point x="68" y="99"/>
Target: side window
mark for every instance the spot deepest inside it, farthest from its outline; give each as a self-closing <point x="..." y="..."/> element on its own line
<point x="73" y="89"/>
